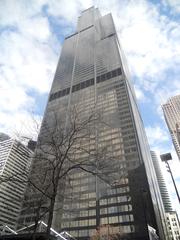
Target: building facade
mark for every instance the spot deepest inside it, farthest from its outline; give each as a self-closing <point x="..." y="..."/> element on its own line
<point x="92" y="74"/>
<point x="171" y="112"/>
<point x="173" y="225"/>
<point x="170" y="216"/>
<point x="14" y="160"/>
<point x="161" y="182"/>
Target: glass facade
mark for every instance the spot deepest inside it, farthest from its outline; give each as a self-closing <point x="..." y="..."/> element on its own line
<point x="92" y="74"/>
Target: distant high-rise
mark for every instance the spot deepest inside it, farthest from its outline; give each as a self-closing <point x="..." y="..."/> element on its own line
<point x="161" y="182"/>
<point x="92" y="74"/>
<point x="171" y="111"/>
<point x="14" y="161"/>
<point x="173" y="225"/>
<point x="170" y="216"/>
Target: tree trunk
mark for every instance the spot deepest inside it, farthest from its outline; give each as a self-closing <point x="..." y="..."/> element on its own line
<point x="50" y="217"/>
<point x="35" y="226"/>
<point x="52" y="203"/>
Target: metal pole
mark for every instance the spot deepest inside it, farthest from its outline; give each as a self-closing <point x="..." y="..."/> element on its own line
<point x="169" y="170"/>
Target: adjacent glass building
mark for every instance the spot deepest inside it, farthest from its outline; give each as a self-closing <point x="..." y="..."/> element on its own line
<point x="92" y="74"/>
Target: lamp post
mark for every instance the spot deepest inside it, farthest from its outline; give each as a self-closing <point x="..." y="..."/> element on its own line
<point x="165" y="158"/>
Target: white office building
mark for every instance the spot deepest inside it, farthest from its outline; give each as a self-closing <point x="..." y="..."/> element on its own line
<point x="161" y="182"/>
<point x="173" y="225"/>
<point x="14" y="165"/>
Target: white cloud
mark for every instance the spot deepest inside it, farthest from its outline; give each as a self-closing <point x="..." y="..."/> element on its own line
<point x="37" y="27"/>
<point x="156" y="135"/>
<point x="13" y="99"/>
<point x="21" y="123"/>
<point x="170" y="89"/>
<point x="146" y="37"/>
<point x="69" y="11"/>
<point x="174" y="4"/>
<point x="16" y="12"/>
<point x="139" y="94"/>
<point x="27" y="63"/>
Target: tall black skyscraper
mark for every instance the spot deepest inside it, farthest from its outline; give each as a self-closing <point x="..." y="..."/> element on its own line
<point x="92" y="74"/>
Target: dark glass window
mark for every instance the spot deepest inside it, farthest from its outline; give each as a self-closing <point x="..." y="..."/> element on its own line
<point x="83" y="85"/>
<point x="51" y="97"/>
<point x="114" y="74"/>
<point x="103" y="77"/>
<point x="59" y="94"/>
<point x="98" y="79"/>
<point x="78" y="87"/>
<point x="88" y="83"/>
<point x="92" y="81"/>
<point x="64" y="92"/>
<point x="73" y="88"/>
<point x="108" y="75"/>
<point x="119" y="71"/>
<point x="55" y="95"/>
<point x="68" y="90"/>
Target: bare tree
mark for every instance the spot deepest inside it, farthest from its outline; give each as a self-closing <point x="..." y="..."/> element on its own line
<point x="63" y="148"/>
<point x="61" y="145"/>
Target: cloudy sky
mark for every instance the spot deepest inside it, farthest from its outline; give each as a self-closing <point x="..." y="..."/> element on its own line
<point x="31" y="36"/>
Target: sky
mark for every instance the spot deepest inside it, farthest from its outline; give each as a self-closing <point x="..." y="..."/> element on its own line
<point x="31" y="36"/>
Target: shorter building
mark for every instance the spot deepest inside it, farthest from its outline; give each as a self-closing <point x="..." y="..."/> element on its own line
<point x="14" y="168"/>
<point x="171" y="111"/>
<point x="172" y="222"/>
<point x="161" y="182"/>
<point x="173" y="225"/>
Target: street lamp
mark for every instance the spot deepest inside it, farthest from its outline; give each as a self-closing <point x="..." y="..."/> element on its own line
<point x="165" y="158"/>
